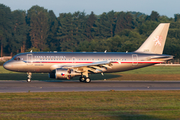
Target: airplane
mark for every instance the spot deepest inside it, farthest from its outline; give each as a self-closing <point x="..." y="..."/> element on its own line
<point x="66" y="65"/>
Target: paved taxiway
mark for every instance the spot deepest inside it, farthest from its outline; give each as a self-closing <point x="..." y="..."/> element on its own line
<point x="60" y="86"/>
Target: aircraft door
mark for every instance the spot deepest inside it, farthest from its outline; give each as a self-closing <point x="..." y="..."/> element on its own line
<point x="134" y="59"/>
<point x="29" y="59"/>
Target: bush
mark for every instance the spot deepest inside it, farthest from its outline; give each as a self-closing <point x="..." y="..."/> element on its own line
<point x="1" y="63"/>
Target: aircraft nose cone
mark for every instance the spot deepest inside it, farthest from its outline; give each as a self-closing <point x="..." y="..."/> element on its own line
<point x="7" y="66"/>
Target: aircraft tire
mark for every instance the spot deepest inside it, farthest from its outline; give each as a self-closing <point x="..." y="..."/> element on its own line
<point x="28" y="80"/>
<point x="82" y="79"/>
<point x="88" y="80"/>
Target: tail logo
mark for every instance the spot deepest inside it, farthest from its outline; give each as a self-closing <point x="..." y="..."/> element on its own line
<point x="158" y="40"/>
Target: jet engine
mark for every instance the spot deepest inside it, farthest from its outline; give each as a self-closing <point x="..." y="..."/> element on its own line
<point x="65" y="74"/>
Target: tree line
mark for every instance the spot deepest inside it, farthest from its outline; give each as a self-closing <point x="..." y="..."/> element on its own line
<point x="39" y="29"/>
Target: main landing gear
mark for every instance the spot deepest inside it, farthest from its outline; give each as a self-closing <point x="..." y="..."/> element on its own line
<point x="85" y="79"/>
<point x="29" y="76"/>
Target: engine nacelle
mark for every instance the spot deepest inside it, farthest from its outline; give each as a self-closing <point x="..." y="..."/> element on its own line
<point x="61" y="73"/>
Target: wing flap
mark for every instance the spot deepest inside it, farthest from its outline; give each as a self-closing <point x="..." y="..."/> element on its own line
<point x="96" y="67"/>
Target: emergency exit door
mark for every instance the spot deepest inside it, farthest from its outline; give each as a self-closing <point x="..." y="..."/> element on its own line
<point x="134" y="59"/>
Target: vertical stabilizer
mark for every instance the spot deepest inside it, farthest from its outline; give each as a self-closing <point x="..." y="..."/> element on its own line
<point x="156" y="41"/>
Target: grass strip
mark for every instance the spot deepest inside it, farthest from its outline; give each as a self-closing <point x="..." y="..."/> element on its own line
<point x="154" y="70"/>
<point x="108" y="105"/>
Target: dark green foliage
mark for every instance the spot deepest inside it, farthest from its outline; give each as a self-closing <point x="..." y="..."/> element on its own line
<point x="124" y="21"/>
<point x="106" y="25"/>
<point x="177" y="18"/>
<point x="53" y="27"/>
<point x="20" y="31"/>
<point x="40" y="30"/>
<point x="147" y="27"/>
<point x="154" y="16"/>
<point x="39" y="26"/>
<point x="6" y="27"/>
<point x="90" y="26"/>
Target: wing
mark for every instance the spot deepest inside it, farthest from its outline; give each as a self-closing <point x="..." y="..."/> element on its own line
<point x="95" y="67"/>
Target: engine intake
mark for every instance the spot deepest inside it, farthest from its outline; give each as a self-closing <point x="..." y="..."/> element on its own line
<point x="65" y="74"/>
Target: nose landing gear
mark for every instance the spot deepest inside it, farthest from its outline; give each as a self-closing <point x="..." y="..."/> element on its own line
<point x="29" y="76"/>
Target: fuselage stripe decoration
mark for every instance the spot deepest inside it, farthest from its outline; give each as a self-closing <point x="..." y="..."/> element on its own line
<point x="145" y="62"/>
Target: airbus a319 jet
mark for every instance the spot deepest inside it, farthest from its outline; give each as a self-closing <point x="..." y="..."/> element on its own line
<point x="66" y="65"/>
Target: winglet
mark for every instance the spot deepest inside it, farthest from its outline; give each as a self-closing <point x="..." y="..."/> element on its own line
<point x="156" y="41"/>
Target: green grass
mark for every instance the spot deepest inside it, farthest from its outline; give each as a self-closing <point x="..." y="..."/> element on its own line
<point x="155" y="70"/>
<point x="108" y="105"/>
<point x="1" y="63"/>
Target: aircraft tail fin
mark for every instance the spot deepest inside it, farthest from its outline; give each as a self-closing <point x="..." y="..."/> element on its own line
<point x="156" y="41"/>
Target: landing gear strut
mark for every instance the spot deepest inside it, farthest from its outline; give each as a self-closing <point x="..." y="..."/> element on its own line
<point x="29" y="76"/>
<point x="85" y="77"/>
<point x="87" y="80"/>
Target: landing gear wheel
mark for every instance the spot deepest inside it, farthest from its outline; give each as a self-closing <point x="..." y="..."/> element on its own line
<point x="28" y="80"/>
<point x="82" y="79"/>
<point x="88" y="80"/>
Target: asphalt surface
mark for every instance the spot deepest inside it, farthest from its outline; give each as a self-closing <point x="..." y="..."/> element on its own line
<point x="97" y="85"/>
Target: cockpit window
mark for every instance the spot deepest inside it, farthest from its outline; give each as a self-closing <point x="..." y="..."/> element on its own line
<point x="17" y="58"/>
